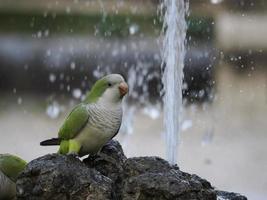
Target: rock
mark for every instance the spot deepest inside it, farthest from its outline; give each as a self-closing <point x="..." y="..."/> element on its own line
<point x="141" y="165"/>
<point x="62" y="177"/>
<point x="155" y="178"/>
<point x="222" y="195"/>
<point x="110" y="175"/>
<point x="109" y="163"/>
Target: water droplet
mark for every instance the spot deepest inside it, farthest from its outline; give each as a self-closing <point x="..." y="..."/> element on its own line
<point x="39" y="34"/>
<point x="52" y="78"/>
<point x="68" y="88"/>
<point x="19" y="100"/>
<point x="133" y="29"/>
<point x="115" y="52"/>
<point x="53" y="110"/>
<point x="20" y="190"/>
<point x="216" y="1"/>
<point x="152" y="111"/>
<point x="76" y="93"/>
<point x="26" y="67"/>
<point x="73" y="65"/>
<point x="46" y="33"/>
<point x="48" y="52"/>
<point x="201" y="94"/>
<point x="207" y="137"/>
<point x="68" y="9"/>
<point x="186" y="125"/>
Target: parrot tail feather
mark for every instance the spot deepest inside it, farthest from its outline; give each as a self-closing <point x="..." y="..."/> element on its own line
<point x="50" y="142"/>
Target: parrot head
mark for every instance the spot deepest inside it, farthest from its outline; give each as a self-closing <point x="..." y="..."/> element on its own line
<point x="111" y="88"/>
<point x="11" y="165"/>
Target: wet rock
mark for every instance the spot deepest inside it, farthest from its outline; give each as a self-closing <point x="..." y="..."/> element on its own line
<point x="62" y="177"/>
<point x="109" y="161"/>
<point x="155" y="178"/>
<point x="147" y="177"/>
<point x="110" y="175"/>
<point x="222" y="195"/>
<point x="140" y="165"/>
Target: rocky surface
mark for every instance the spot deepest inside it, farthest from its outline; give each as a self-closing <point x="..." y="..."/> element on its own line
<point x="62" y="177"/>
<point x="110" y="175"/>
<point x="223" y="195"/>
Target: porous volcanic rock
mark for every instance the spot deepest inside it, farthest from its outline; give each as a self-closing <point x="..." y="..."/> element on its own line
<point x="223" y="195"/>
<point x="110" y="175"/>
<point x="54" y="177"/>
<point x="155" y="178"/>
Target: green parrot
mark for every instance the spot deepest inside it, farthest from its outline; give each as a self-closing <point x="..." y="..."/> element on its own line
<point x="95" y="121"/>
<point x="10" y="167"/>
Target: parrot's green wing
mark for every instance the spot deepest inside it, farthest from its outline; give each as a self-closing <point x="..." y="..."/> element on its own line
<point x="11" y="165"/>
<point x="74" y="123"/>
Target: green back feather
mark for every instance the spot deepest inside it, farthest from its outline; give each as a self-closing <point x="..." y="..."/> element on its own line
<point x="74" y="123"/>
<point x="97" y="90"/>
<point x="11" y="165"/>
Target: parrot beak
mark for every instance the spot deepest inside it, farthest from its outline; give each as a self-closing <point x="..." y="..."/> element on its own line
<point x="123" y="88"/>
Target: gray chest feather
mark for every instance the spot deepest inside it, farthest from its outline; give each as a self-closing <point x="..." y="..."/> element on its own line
<point x="105" y="119"/>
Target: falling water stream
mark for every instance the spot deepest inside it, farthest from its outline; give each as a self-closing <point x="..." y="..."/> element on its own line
<point x="173" y="53"/>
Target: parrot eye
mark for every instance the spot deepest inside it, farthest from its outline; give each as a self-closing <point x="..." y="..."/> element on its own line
<point x="109" y="84"/>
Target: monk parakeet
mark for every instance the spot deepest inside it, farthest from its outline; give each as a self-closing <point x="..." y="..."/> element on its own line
<point x="95" y="121"/>
<point x="10" y="167"/>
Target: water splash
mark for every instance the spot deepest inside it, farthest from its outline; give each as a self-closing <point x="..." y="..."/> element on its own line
<point x="173" y="53"/>
<point x="53" y="110"/>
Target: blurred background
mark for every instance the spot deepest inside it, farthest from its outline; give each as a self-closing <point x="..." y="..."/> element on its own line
<point x="52" y="51"/>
